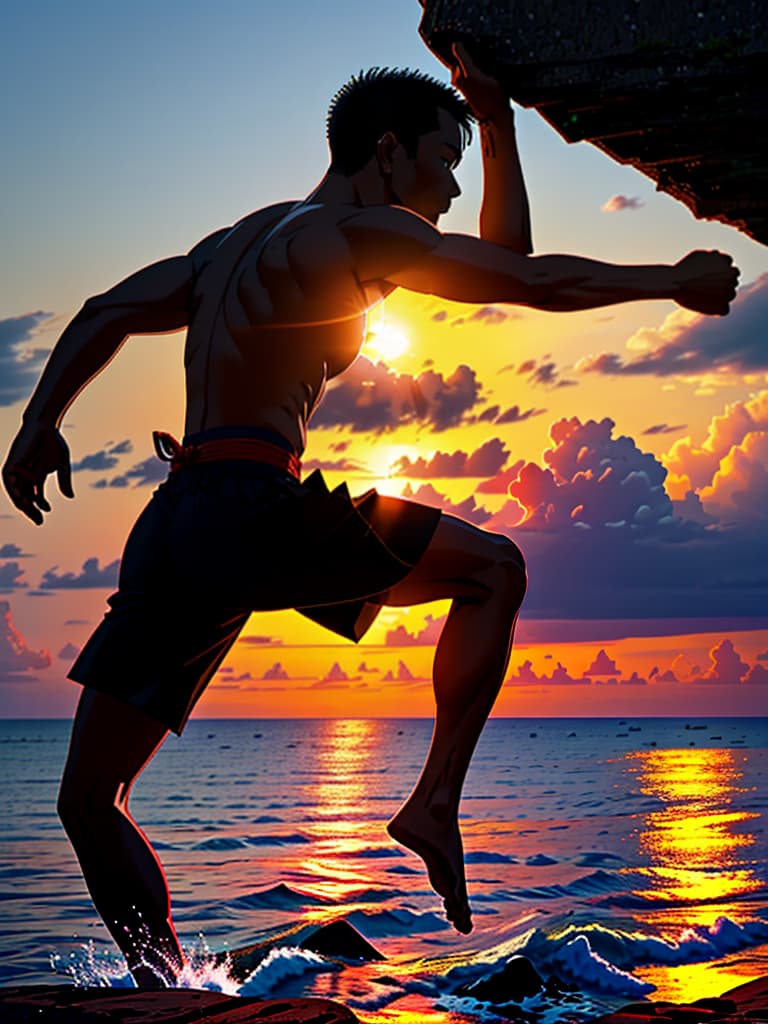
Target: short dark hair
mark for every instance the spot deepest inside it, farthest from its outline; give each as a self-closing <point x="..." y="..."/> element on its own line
<point x="397" y="100"/>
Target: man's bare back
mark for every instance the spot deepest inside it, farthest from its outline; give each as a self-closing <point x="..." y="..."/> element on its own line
<point x="272" y="322"/>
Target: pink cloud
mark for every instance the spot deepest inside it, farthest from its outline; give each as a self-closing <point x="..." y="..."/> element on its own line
<point x="427" y="636"/>
<point x="727" y="665"/>
<point x="485" y="461"/>
<point x="618" y="203"/>
<point x="15" y="657"/>
<point x="603" y="666"/>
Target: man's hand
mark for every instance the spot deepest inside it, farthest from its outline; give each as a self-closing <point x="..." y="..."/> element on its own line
<point x="37" y="451"/>
<point x="706" y="282"/>
<point x="484" y="94"/>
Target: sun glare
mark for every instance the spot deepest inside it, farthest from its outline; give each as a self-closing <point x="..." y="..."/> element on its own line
<point x="386" y="341"/>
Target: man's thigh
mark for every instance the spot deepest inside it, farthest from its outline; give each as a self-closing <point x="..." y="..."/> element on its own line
<point x="457" y="563"/>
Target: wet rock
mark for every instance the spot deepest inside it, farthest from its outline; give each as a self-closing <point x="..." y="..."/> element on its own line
<point x="517" y="980"/>
<point x="58" y="1004"/>
<point x="339" y="938"/>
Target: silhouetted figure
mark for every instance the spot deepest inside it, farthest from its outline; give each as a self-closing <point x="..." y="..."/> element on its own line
<point x="275" y="307"/>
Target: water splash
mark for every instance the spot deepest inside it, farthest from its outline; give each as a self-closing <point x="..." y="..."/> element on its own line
<point x="89" y="967"/>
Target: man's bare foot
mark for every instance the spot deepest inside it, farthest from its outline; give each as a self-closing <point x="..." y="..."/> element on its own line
<point x="439" y="846"/>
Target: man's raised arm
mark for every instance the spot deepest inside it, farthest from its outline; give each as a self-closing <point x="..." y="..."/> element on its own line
<point x="504" y="214"/>
<point x="153" y="300"/>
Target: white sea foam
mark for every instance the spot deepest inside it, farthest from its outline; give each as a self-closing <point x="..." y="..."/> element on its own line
<point x="282" y="963"/>
<point x="578" y="963"/>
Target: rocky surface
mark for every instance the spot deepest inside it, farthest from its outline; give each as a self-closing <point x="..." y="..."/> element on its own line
<point x="747" y="1004"/>
<point x="677" y="91"/>
<point x="53" y="1004"/>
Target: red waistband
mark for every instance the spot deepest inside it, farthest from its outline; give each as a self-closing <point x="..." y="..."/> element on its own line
<point x="249" y="448"/>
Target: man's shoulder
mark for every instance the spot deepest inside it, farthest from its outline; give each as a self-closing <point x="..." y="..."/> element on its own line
<point x="386" y="220"/>
<point x="252" y="223"/>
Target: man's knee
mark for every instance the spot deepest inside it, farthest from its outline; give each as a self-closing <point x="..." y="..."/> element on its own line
<point x="509" y="564"/>
<point x="82" y="805"/>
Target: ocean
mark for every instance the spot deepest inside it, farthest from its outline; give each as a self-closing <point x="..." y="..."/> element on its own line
<point x="624" y="858"/>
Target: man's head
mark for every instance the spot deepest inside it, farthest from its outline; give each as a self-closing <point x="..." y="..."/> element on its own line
<point x="414" y="126"/>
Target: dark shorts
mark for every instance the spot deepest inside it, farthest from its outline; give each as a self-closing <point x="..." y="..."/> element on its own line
<point x="220" y="540"/>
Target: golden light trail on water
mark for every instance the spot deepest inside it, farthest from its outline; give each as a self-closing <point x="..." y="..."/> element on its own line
<point x="695" y="843"/>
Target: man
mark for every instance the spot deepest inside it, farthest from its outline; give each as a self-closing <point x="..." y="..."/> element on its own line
<point x="275" y="307"/>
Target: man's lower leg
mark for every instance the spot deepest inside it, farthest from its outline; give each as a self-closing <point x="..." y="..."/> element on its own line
<point x="470" y="664"/>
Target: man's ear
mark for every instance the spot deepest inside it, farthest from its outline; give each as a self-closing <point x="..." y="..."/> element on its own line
<point x="385" y="147"/>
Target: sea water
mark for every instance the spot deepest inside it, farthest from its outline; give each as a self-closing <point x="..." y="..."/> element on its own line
<point x="625" y="858"/>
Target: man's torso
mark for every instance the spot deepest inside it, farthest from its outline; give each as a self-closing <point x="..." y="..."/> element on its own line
<point x="278" y="311"/>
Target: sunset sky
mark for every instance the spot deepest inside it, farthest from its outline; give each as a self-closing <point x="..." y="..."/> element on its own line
<point x="637" y="490"/>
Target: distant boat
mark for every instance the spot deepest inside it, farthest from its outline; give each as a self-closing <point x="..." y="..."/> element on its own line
<point x="689" y="726"/>
<point x="635" y="728"/>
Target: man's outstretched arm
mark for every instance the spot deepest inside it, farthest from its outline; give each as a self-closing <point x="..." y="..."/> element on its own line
<point x="467" y="269"/>
<point x="154" y="300"/>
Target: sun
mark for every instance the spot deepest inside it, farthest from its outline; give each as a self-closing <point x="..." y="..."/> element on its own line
<point x="386" y="341"/>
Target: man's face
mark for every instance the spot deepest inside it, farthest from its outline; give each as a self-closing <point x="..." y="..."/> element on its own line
<point x="425" y="183"/>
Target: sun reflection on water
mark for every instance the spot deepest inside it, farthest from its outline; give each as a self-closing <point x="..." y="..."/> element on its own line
<point x="698" y="859"/>
<point x="695" y="842"/>
<point x="345" y="758"/>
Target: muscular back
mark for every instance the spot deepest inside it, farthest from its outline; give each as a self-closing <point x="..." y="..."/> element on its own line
<point x="278" y="310"/>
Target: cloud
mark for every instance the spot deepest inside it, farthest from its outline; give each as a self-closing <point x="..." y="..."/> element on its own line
<point x="12" y="551"/>
<point x="603" y="539"/>
<point x="68" y="652"/>
<point x="486" y="460"/>
<point x="688" y="345"/>
<point x="467" y="509"/>
<point x="763" y="656"/>
<point x="664" y="428"/>
<point x="618" y="203"/>
<point x="149" y="471"/>
<point x="514" y="415"/>
<point x="758" y="674"/>
<point x="726" y="666"/>
<point x="403" y="674"/>
<point x="261" y="641"/>
<point x="499" y="484"/>
<point x="492" y="316"/>
<point x="90" y="576"/>
<point x="336" y="677"/>
<point x="105" y="458"/>
<point x="20" y="365"/>
<point x="276" y="671"/>
<point x="593" y="480"/>
<point x="543" y="374"/>
<point x="15" y="657"/>
<point x="425" y="637"/>
<point x="335" y="466"/>
<point x="728" y="468"/>
<point x="373" y="397"/>
<point x="11" y="575"/>
<point x="603" y="666"/>
<point x="525" y="676"/>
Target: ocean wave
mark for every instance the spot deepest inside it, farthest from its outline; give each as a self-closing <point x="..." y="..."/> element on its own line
<point x="280" y="965"/>
<point x="378" y="923"/>
<point x="594" y="884"/>
<point x="279" y="897"/>
<point x="241" y="842"/>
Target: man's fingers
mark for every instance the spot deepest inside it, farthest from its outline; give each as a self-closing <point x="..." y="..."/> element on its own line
<point x="21" y="494"/>
<point x="64" y="479"/>
<point x="40" y="499"/>
<point x="463" y="58"/>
